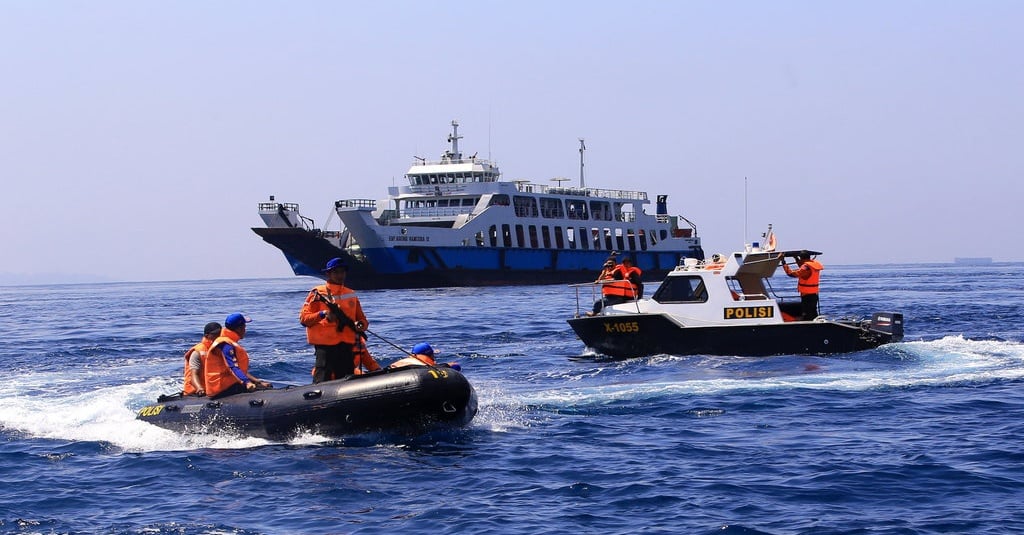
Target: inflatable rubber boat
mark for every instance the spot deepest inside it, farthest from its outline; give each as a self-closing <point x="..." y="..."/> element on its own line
<point x="412" y="398"/>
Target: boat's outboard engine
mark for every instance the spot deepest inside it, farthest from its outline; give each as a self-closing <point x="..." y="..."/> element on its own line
<point x="888" y="322"/>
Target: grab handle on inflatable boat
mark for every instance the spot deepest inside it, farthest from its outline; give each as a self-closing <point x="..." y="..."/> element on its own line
<point x="213" y="404"/>
<point x="256" y="402"/>
<point x="312" y="395"/>
<point x="448" y="407"/>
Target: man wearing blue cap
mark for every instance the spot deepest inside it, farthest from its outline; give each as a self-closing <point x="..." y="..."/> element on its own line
<point x="335" y="326"/>
<point x="227" y="363"/>
<point x="422" y="355"/>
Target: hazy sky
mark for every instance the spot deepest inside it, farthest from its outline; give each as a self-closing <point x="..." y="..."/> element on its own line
<point x="136" y="138"/>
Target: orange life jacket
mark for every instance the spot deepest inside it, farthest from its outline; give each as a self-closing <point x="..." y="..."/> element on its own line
<point x="808" y="279"/>
<point x="607" y="275"/>
<point x="202" y="347"/>
<point x="323" y="330"/>
<point x="624" y="287"/>
<point x="218" y="374"/>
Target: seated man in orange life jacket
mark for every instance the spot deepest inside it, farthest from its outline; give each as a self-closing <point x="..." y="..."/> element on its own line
<point x="195" y="359"/>
<point x="227" y="363"/>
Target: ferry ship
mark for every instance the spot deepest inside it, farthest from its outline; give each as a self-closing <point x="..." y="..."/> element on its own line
<point x="456" y="223"/>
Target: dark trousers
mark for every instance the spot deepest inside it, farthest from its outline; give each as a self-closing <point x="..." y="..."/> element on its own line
<point x="609" y="300"/>
<point x="237" y="388"/>
<point x="809" y="303"/>
<point x="333" y="362"/>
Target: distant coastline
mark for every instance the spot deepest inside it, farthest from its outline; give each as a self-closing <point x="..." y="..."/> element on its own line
<point x="972" y="260"/>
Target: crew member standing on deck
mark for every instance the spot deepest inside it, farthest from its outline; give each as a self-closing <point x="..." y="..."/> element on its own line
<point x="335" y="327"/>
<point x="631" y="274"/>
<point x="808" y="274"/>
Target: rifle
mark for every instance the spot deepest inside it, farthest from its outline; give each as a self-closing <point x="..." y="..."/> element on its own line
<point x="339" y="316"/>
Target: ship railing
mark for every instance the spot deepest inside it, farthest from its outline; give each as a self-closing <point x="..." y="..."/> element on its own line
<point x="595" y="295"/>
<point x="673" y="222"/>
<point x="447" y="161"/>
<point x="284" y="210"/>
<point x="433" y="212"/>
<point x="355" y="203"/>
<point x="527" y="187"/>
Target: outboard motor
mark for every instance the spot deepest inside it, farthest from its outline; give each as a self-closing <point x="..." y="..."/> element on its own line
<point x="888" y="322"/>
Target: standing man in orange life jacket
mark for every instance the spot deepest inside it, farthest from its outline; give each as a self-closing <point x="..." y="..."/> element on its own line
<point x="227" y="363"/>
<point x="335" y="327"/>
<point x="194" y="361"/>
<point x="808" y="274"/>
<point x="632" y="287"/>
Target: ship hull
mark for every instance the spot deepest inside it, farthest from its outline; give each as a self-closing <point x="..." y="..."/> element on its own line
<point x="438" y="267"/>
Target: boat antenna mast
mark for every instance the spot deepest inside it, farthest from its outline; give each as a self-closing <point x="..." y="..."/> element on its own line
<point x="583" y="147"/>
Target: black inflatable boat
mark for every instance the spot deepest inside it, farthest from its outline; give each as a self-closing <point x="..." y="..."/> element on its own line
<point x="410" y="398"/>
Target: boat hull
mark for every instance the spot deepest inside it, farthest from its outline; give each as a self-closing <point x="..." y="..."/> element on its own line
<point x="442" y="267"/>
<point x="404" y="399"/>
<point x="637" y="335"/>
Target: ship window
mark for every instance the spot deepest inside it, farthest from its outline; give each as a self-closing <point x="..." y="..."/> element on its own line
<point x="600" y="210"/>
<point x="559" y="239"/>
<point x="643" y="240"/>
<point x="584" y="238"/>
<point x="681" y="290"/>
<point x="506" y="236"/>
<point x="545" y="234"/>
<point x="469" y="201"/>
<point x="480" y="238"/>
<point x="631" y="238"/>
<point x="499" y="200"/>
<point x="533" y="236"/>
<point x="608" y="240"/>
<point x="520" y="236"/>
<point x="626" y="213"/>
<point x="654" y="237"/>
<point x="576" y="209"/>
<point x="551" y="208"/>
<point x="525" y="206"/>
<point x="664" y="234"/>
<point x="570" y="235"/>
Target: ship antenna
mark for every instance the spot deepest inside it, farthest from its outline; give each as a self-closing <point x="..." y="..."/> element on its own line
<point x="583" y="147"/>
<point x="744" y="210"/>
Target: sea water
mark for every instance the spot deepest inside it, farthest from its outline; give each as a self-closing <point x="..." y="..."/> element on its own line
<point x="923" y="436"/>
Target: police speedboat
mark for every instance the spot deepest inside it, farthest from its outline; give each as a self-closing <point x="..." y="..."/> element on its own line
<point x="725" y="306"/>
<point x="411" y="398"/>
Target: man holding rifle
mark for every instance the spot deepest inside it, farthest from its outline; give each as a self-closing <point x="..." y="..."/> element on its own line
<point x="336" y="327"/>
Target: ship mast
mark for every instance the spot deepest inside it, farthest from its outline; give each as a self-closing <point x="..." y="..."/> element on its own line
<point x="582" y="148"/>
<point x="454" y="140"/>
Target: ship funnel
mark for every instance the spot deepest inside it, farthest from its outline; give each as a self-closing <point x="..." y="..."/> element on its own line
<point x="662" y="208"/>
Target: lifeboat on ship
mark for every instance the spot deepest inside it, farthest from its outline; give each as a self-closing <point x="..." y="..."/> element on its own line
<point x="725" y="306"/>
<point x="411" y="398"/>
